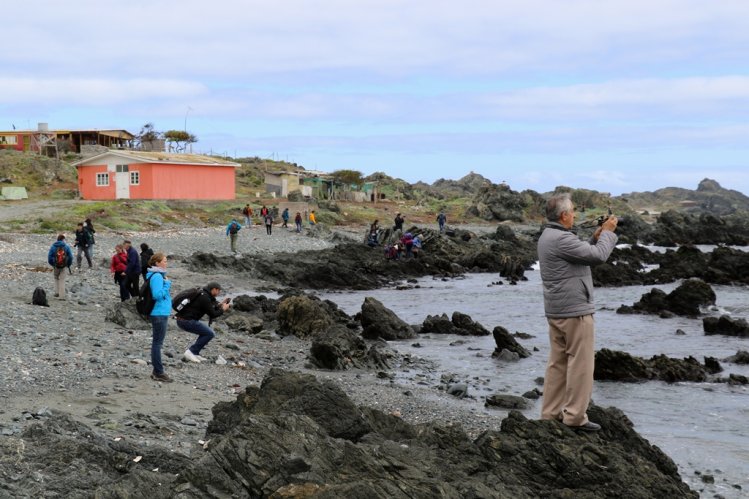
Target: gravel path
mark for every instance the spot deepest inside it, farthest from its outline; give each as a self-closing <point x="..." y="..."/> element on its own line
<point x="68" y="357"/>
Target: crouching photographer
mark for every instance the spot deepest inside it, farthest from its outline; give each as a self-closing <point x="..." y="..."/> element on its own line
<point x="191" y="306"/>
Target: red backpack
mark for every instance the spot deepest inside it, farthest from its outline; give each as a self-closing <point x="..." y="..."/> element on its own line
<point x="61" y="258"/>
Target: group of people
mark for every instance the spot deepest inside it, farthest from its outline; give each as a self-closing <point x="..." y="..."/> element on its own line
<point x="127" y="267"/>
<point x="267" y="217"/>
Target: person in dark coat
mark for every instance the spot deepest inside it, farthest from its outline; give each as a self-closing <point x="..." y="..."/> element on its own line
<point x="188" y="319"/>
<point x="132" y="272"/>
<point x="145" y="256"/>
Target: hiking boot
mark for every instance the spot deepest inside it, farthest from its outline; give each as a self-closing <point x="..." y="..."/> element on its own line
<point x="191" y="357"/>
<point x="163" y="378"/>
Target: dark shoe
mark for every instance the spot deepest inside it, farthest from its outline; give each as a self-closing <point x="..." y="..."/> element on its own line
<point x="161" y="377"/>
<point x="589" y="426"/>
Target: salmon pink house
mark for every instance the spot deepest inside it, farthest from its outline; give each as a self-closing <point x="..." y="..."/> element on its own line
<point x="155" y="175"/>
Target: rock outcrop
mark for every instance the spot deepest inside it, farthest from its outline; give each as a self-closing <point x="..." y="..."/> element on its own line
<point x="725" y="325"/>
<point x="611" y="365"/>
<point x="506" y="343"/>
<point x="685" y="300"/>
<point x="460" y="324"/>
<point x="380" y="322"/>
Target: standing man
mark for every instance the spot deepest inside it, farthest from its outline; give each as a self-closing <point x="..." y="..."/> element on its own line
<point x="188" y="319"/>
<point x="398" y="222"/>
<point x="298" y="221"/>
<point x="268" y="219"/>
<point x="232" y="229"/>
<point x="83" y="241"/>
<point x="568" y="303"/>
<point x="132" y="272"/>
<point x="285" y="218"/>
<point x="441" y="220"/>
<point x="247" y="212"/>
<point x="60" y="256"/>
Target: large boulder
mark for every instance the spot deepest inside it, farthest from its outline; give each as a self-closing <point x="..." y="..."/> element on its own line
<point x="125" y="315"/>
<point x="505" y="342"/>
<point x="341" y="348"/>
<point x="685" y="300"/>
<point x="620" y="366"/>
<point x="460" y="324"/>
<point x="725" y="325"/>
<point x="381" y="322"/>
<point x="302" y="316"/>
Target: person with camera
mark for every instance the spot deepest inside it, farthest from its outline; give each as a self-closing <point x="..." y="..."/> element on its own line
<point x="188" y="318"/>
<point x="565" y="263"/>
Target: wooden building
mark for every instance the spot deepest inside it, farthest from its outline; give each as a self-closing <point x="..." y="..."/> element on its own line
<point x="155" y="175"/>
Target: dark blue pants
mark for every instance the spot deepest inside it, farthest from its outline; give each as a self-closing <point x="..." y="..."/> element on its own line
<point x="158" y="323"/>
<point x="205" y="334"/>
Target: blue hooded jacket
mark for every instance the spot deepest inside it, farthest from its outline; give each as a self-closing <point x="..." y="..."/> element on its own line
<point x="53" y="252"/>
<point x="239" y="226"/>
<point x="160" y="291"/>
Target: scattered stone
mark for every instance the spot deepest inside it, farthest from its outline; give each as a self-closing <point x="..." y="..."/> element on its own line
<point x="504" y="341"/>
<point x="505" y="401"/>
<point x="459" y="390"/>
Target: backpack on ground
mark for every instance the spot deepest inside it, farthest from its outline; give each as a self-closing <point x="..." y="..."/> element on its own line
<point x="184" y="298"/>
<point x="61" y="258"/>
<point x="144" y="303"/>
<point x="233" y="228"/>
<point x="39" y="297"/>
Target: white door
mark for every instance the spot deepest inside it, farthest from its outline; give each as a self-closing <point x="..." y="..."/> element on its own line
<point x="122" y="185"/>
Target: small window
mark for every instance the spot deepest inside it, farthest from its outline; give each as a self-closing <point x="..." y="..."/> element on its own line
<point x="122" y="168"/>
<point x="134" y="178"/>
<point x="102" y="179"/>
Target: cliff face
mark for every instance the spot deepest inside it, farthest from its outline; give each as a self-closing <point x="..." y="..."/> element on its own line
<point x="709" y="196"/>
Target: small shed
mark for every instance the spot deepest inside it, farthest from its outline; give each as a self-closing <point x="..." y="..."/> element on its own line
<point x="155" y="175"/>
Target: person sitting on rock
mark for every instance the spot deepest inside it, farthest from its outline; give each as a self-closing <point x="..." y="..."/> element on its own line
<point x="188" y="319"/>
<point x="417" y="244"/>
<point x="407" y="242"/>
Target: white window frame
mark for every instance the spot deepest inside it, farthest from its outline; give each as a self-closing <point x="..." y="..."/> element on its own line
<point x="121" y="168"/>
<point x="102" y="179"/>
<point x="135" y="178"/>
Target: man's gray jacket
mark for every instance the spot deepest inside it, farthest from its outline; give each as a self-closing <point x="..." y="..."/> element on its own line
<point x="565" y="269"/>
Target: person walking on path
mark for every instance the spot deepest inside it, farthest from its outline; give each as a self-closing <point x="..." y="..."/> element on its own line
<point x="232" y="229"/>
<point x="89" y="227"/>
<point x="145" y="256"/>
<point x="285" y="218"/>
<point x="268" y="219"/>
<point x="118" y="266"/>
<point x="565" y="263"/>
<point x="442" y="220"/>
<point x="247" y="212"/>
<point x="132" y="272"/>
<point x="188" y="319"/>
<point x="298" y="221"/>
<point x="398" y="222"/>
<point x="83" y="243"/>
<point x="312" y="219"/>
<point x="60" y="256"/>
<point x="160" y="291"/>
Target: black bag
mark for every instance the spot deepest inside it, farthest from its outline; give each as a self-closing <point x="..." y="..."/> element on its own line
<point x="39" y="297"/>
<point x="144" y="303"/>
<point x="233" y="228"/>
<point x="184" y="298"/>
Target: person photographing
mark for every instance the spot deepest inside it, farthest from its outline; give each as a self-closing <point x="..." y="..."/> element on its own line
<point x="565" y="263"/>
<point x="191" y="307"/>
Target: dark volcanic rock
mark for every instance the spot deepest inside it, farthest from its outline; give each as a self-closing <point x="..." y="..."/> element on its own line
<point x="504" y="341"/>
<point x="380" y="322"/>
<point x="505" y="401"/>
<point x="741" y="357"/>
<point x="620" y="366"/>
<point x="725" y="325"/>
<point x="302" y="316"/>
<point x="341" y="348"/>
<point x="684" y="300"/>
<point x="675" y="227"/>
<point x="461" y="324"/>
<point x="297" y="437"/>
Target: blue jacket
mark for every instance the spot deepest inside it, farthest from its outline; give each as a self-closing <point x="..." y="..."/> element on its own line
<point x="53" y="251"/>
<point x="239" y="226"/>
<point x="133" y="261"/>
<point x="160" y="287"/>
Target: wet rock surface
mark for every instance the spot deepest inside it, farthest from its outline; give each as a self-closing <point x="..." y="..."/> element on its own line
<point x="294" y="436"/>
<point x="685" y="300"/>
<point x="460" y="324"/>
<point x="505" y="342"/>
<point x="620" y="366"/>
<point x="380" y="322"/>
<point x="725" y="325"/>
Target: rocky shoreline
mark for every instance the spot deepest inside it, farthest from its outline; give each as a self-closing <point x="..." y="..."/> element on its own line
<point x="72" y="372"/>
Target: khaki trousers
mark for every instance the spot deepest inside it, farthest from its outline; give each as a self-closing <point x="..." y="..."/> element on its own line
<point x="568" y="383"/>
<point x="60" y="282"/>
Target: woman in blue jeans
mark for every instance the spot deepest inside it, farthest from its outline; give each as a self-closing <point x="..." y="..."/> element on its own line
<point x="203" y="302"/>
<point x="160" y="287"/>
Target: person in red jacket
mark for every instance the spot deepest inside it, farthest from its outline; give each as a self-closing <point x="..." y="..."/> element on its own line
<point x="118" y="267"/>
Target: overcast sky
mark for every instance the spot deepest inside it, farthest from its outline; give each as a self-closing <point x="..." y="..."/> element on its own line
<point x="617" y="96"/>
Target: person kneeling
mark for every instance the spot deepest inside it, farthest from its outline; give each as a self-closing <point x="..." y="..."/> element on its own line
<point x="188" y="318"/>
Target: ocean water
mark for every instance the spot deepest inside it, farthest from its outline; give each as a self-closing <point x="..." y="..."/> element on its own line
<point x="703" y="427"/>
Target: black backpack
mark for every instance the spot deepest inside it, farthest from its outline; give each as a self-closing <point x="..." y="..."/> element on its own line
<point x="144" y="303"/>
<point x="184" y="298"/>
<point x="39" y="297"/>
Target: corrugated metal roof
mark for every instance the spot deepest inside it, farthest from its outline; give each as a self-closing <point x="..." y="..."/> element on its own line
<point x="161" y="157"/>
